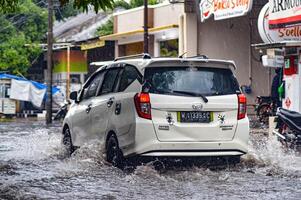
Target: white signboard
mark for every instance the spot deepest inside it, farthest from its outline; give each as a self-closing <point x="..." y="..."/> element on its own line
<point x="224" y="9"/>
<point x="284" y="13"/>
<point x="268" y="35"/>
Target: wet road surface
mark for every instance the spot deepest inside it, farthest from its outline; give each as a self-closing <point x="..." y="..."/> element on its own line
<point x="33" y="165"/>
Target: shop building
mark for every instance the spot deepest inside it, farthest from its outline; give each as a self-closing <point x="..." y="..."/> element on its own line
<point x="280" y="30"/>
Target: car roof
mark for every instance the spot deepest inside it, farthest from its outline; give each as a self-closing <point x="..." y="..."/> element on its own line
<point x="142" y="63"/>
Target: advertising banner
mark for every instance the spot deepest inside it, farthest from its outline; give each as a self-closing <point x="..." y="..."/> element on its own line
<point x="224" y="9"/>
<point x="284" y="13"/>
<point x="292" y="33"/>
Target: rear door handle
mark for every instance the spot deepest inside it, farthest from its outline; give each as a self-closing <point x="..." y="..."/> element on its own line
<point x="110" y="102"/>
<point x="89" y="108"/>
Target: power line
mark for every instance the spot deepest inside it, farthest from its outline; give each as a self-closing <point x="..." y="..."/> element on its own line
<point x="18" y="19"/>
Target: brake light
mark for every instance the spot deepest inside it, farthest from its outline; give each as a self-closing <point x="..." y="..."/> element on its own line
<point x="242" y="106"/>
<point x="143" y="106"/>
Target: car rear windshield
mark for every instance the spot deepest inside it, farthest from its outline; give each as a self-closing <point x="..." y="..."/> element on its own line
<point x="206" y="81"/>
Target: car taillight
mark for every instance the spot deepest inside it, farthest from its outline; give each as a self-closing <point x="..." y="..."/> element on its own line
<point x="242" y="106"/>
<point x="143" y="106"/>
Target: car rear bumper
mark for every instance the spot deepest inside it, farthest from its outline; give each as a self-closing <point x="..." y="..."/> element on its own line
<point x="146" y="143"/>
<point x="191" y="149"/>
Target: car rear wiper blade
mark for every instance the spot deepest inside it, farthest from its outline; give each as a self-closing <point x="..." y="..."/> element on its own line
<point x="192" y="94"/>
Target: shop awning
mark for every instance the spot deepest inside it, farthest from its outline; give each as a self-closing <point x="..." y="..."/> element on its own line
<point x="277" y="45"/>
<point x="154" y="30"/>
<point x="100" y="42"/>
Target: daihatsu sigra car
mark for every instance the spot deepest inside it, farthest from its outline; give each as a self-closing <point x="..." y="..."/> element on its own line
<point x="160" y="107"/>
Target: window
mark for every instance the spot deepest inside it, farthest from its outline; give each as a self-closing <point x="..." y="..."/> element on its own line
<point x="203" y="80"/>
<point x="109" y="81"/>
<point x="91" y="88"/>
<point x="129" y="75"/>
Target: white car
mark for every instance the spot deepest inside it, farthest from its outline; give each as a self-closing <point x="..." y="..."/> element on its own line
<point x="187" y="107"/>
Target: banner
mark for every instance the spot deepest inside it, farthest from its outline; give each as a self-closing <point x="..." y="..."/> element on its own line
<point x="224" y="9"/>
<point x="292" y="33"/>
<point x="284" y="13"/>
<point x="26" y="91"/>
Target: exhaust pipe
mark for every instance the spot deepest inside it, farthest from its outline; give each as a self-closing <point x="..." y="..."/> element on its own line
<point x="279" y="134"/>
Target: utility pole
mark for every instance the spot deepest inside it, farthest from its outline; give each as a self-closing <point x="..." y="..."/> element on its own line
<point x="49" y="63"/>
<point x="145" y="27"/>
<point x="198" y="23"/>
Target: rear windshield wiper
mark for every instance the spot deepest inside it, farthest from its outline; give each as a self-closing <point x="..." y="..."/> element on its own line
<point x="192" y="94"/>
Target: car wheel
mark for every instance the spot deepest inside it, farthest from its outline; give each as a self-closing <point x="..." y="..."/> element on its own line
<point x="113" y="153"/>
<point x="67" y="141"/>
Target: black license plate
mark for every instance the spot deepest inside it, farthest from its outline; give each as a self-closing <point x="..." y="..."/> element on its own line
<point x="194" y="117"/>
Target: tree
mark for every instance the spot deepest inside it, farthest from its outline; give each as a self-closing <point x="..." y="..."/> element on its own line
<point x="27" y="24"/>
<point x="105" y="29"/>
<point x="84" y="4"/>
<point x="8" y="5"/>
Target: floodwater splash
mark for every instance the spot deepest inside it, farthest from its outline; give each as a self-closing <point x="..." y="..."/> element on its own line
<point x="33" y="164"/>
<point x="268" y="156"/>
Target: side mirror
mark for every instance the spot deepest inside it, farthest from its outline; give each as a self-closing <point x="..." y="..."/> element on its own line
<point x="73" y="96"/>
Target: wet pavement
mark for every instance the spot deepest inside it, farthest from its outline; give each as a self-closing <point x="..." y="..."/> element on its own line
<point x="33" y="165"/>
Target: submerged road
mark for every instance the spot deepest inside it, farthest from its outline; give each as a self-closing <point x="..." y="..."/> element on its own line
<point x="33" y="165"/>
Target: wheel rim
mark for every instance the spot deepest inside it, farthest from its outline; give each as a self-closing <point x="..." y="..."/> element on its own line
<point x="113" y="153"/>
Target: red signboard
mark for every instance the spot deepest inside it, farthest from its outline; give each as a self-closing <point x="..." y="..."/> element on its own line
<point x="284" y="13"/>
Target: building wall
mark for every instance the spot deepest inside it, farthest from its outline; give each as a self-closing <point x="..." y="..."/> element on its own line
<point x="133" y="20"/>
<point x="78" y="61"/>
<point x="232" y="39"/>
<point x="167" y="14"/>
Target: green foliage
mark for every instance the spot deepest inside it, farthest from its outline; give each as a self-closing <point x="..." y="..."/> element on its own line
<point x="7" y="6"/>
<point x="169" y="48"/>
<point x="84" y="4"/>
<point x="105" y="29"/>
<point x="133" y="3"/>
<point x="122" y="4"/>
<point x="66" y="11"/>
<point x="26" y="25"/>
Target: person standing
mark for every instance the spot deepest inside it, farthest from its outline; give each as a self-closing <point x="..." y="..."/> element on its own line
<point x="277" y="81"/>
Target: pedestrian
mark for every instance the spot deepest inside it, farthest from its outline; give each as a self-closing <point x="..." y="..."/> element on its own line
<point x="277" y="82"/>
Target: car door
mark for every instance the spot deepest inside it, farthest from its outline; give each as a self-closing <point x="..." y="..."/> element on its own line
<point x="123" y="112"/>
<point x="103" y="103"/>
<point x="81" y="118"/>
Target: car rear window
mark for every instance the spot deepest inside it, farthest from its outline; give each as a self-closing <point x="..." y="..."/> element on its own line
<point x="203" y="80"/>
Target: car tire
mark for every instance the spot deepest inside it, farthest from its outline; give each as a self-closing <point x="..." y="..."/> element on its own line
<point x="67" y="141"/>
<point x="113" y="152"/>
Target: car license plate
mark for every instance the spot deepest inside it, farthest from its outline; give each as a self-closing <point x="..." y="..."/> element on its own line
<point x="194" y="116"/>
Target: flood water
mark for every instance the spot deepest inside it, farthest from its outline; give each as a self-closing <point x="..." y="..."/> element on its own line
<point x="33" y="165"/>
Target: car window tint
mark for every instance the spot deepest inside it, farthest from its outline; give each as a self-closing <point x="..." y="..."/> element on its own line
<point x="129" y="75"/>
<point x="204" y="80"/>
<point x="109" y="81"/>
<point x="90" y="91"/>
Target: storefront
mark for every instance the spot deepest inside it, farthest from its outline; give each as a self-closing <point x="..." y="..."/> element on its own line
<point x="279" y="27"/>
<point x="227" y="29"/>
<point x="164" y="30"/>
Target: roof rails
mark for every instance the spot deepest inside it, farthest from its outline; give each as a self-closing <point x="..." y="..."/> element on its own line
<point x="199" y="57"/>
<point x="142" y="55"/>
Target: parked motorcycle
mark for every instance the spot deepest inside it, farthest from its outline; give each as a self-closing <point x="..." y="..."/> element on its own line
<point x="62" y="112"/>
<point x="264" y="108"/>
<point x="288" y="129"/>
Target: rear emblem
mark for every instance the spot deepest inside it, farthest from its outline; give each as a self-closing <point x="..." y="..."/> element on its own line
<point x="170" y="119"/>
<point x="197" y="107"/>
<point x="221" y="118"/>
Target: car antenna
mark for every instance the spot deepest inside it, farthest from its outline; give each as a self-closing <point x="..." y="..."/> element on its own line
<point x="181" y="56"/>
